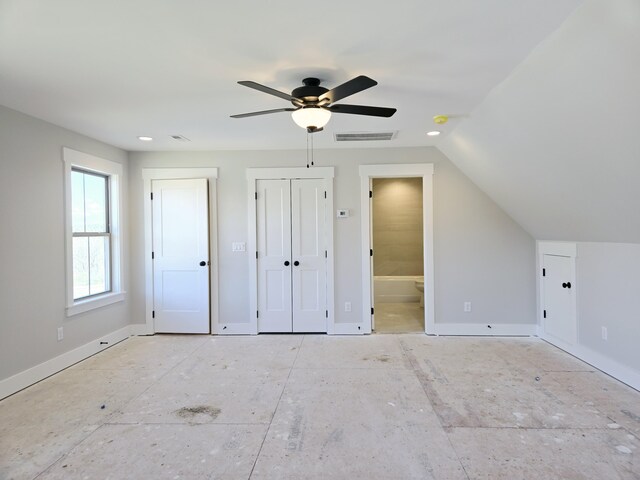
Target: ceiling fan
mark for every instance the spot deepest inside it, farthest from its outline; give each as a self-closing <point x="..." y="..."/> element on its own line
<point x="314" y="104"/>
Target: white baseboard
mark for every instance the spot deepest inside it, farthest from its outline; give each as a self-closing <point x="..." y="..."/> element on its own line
<point x="476" y="329"/>
<point x="138" y="329"/>
<point x="603" y="363"/>
<point x="348" y="329"/>
<point x="234" y="329"/>
<point x="21" y="380"/>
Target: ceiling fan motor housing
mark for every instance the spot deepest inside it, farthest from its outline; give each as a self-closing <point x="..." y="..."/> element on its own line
<point x="309" y="92"/>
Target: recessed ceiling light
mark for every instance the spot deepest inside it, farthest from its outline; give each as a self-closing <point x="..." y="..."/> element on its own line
<point x="145" y="139"/>
<point x="434" y="133"/>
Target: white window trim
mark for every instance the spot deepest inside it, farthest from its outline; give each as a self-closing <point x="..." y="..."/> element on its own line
<point x="113" y="170"/>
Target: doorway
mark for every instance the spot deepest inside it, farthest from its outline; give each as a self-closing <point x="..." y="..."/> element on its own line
<point x="368" y="173"/>
<point x="292" y="256"/>
<point x="181" y="295"/>
<point x="291" y="232"/>
<point x="180" y="255"/>
<point x="557" y="294"/>
<point x="398" y="254"/>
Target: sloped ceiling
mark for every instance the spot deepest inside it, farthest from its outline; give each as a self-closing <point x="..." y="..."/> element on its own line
<point x="557" y="144"/>
<point x="116" y="69"/>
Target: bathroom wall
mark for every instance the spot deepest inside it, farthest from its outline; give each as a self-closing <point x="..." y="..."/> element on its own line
<point x="397" y="226"/>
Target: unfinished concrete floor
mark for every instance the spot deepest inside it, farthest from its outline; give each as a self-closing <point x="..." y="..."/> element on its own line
<point x="318" y="407"/>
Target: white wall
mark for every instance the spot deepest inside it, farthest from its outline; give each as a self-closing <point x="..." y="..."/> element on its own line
<point x="608" y="295"/>
<point x="556" y="145"/>
<point x="32" y="251"/>
<point x="481" y="255"/>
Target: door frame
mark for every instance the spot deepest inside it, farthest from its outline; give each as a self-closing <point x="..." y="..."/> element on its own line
<point x="563" y="249"/>
<point x="288" y="173"/>
<point x="367" y="173"/>
<point x="148" y="175"/>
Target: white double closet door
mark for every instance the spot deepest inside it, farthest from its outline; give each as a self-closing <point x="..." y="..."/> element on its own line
<point x="291" y="259"/>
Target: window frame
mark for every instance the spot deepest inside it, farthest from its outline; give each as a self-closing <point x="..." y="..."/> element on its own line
<point x="114" y="173"/>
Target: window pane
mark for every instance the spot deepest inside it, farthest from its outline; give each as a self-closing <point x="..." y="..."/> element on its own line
<point x="77" y="201"/>
<point x="80" y="267"/>
<point x="95" y="203"/>
<point x="99" y="265"/>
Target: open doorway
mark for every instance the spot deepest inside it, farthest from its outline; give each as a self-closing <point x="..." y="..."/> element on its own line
<point x="422" y="173"/>
<point x="398" y="259"/>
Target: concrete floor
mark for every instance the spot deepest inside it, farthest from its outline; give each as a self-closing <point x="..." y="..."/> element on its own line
<point x="399" y="318"/>
<point x="318" y="407"/>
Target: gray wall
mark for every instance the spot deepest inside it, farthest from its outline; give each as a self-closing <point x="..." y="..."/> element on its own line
<point x="608" y="286"/>
<point x="397" y="226"/>
<point x="481" y="255"/>
<point x="556" y="145"/>
<point x="32" y="249"/>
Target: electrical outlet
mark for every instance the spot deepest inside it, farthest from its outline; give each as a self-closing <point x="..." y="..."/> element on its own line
<point x="467" y="307"/>
<point x="347" y="306"/>
<point x="604" y="333"/>
<point x="60" y="334"/>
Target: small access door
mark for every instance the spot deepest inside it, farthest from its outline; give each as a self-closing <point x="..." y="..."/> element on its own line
<point x="559" y="317"/>
<point x="181" y="256"/>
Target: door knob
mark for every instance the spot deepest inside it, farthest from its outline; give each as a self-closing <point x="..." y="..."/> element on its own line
<point x="286" y="263"/>
<point x="203" y="263"/>
<point x="296" y="263"/>
<point x="566" y="285"/>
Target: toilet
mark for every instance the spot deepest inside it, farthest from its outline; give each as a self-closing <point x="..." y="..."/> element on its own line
<point x="420" y="286"/>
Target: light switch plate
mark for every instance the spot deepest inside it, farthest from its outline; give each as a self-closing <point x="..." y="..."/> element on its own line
<point x="238" y="247"/>
<point x="342" y="213"/>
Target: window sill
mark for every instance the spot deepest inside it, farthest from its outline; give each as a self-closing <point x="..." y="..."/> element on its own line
<point x="91" y="304"/>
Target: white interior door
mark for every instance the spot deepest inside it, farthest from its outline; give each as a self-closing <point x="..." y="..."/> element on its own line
<point x="274" y="255"/>
<point x="308" y="234"/>
<point x="180" y="256"/>
<point x="291" y="260"/>
<point x="559" y="299"/>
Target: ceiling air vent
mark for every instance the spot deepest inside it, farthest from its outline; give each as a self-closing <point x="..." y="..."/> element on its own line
<point x="180" y="138"/>
<point x="365" y="136"/>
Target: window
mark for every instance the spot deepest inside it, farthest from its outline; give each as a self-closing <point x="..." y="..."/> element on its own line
<point x="93" y="240"/>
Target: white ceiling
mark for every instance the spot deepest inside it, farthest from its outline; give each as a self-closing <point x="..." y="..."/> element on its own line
<point x="117" y="69"/>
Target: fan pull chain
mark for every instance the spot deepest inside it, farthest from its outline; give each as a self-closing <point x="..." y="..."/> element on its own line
<point x="311" y="148"/>
<point x="308" y="149"/>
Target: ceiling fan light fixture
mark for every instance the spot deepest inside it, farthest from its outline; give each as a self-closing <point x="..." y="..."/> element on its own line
<point x="311" y="117"/>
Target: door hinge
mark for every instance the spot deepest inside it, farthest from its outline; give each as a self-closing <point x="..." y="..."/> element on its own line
<point x="325" y="254"/>
<point x="371" y="252"/>
<point x="326" y="314"/>
<point x="151" y="195"/>
<point x="372" y="310"/>
<point x="256" y="195"/>
<point x="544" y="314"/>
<point x="153" y="255"/>
<point x="325" y="194"/>
<point x="544" y="272"/>
<point x="256" y="254"/>
<point x="370" y="194"/>
<point x="153" y="314"/>
<point x="257" y="314"/>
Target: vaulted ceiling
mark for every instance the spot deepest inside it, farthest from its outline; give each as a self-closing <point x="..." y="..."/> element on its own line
<point x="114" y="70"/>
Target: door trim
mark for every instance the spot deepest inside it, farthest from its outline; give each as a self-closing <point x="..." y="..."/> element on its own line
<point x="563" y="249"/>
<point x="368" y="172"/>
<point x="150" y="174"/>
<point x="289" y="173"/>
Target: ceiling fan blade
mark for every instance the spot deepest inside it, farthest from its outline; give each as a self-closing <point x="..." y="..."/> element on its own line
<point x="354" y="85"/>
<point x="363" y="110"/>
<point x="263" y="112"/>
<point x="269" y="90"/>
